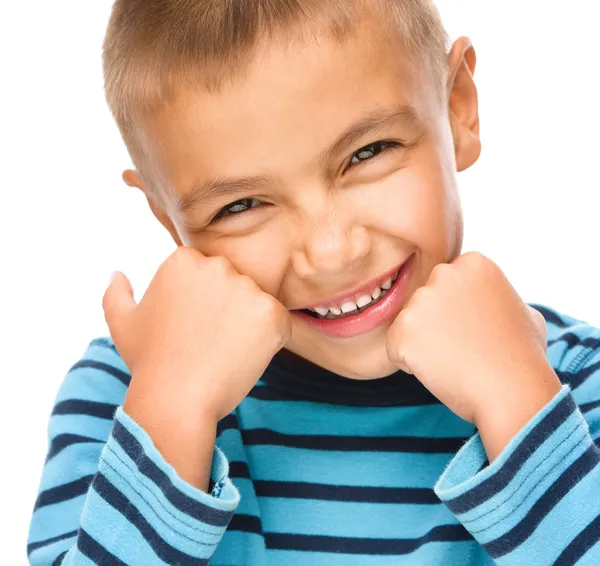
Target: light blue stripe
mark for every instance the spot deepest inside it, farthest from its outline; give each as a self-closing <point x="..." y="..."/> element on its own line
<point x="304" y="417"/>
<point x="590" y="558"/>
<point x="434" y="553"/>
<point x="58" y="471"/>
<point x="572" y="508"/>
<point x="346" y="468"/>
<point x="242" y="549"/>
<point x="40" y="555"/>
<point x="122" y="472"/>
<point x="532" y="478"/>
<point x="44" y="518"/>
<point x="508" y="508"/>
<point x="110" y="529"/>
<point x="91" y="384"/>
<point x="225" y="502"/>
<point x="76" y="558"/>
<point x="93" y="426"/>
<point x="330" y="518"/>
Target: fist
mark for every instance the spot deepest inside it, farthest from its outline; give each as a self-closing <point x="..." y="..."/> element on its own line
<point x="199" y="339"/>
<point x="470" y="339"/>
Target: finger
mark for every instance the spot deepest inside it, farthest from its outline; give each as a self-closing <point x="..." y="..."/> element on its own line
<point x="117" y="302"/>
<point x="393" y="345"/>
<point x="401" y="364"/>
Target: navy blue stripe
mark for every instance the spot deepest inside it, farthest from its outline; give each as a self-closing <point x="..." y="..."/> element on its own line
<point x="571" y="339"/>
<point x="62" y="441"/>
<point x="162" y="549"/>
<point x="239" y="470"/>
<point x="498" y="481"/>
<point x="95" y="551"/>
<point x="302" y="392"/>
<point x="549" y="315"/>
<point x="59" y="558"/>
<point x="576" y="379"/>
<point x="82" y="407"/>
<point x="35" y="545"/>
<point x="104" y="343"/>
<point x="177" y="498"/>
<point x="227" y="423"/>
<point x="268" y="393"/>
<point x="245" y="523"/>
<point x="587" y="538"/>
<point x="585" y="407"/>
<point x="63" y="492"/>
<point x="122" y="376"/>
<point x="413" y="444"/>
<point x="366" y="546"/>
<point x="544" y="505"/>
<point x="358" y="494"/>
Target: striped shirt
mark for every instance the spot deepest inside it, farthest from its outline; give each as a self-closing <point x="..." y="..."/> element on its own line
<point x="316" y="469"/>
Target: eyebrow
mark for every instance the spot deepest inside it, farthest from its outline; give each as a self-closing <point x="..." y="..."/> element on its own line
<point x="371" y="123"/>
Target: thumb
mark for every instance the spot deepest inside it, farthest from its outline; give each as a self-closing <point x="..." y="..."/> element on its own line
<point x="117" y="302"/>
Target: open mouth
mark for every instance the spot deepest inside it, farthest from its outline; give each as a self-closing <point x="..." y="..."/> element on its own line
<point x="364" y="310"/>
<point x="351" y="308"/>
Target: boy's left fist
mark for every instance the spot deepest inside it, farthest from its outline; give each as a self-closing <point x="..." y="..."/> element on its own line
<point x="470" y="339"/>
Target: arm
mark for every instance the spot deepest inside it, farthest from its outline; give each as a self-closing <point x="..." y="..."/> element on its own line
<point x="538" y="501"/>
<point x="107" y="493"/>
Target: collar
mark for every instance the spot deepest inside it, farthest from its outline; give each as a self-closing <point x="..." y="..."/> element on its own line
<point x="305" y="380"/>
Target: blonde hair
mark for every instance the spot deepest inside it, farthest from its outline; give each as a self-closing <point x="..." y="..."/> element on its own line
<point x="152" y="48"/>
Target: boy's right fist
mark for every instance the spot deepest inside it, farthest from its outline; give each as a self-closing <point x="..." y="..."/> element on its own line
<point x="197" y="342"/>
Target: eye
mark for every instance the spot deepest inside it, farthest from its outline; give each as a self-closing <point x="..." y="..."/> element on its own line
<point x="371" y="151"/>
<point x="235" y="208"/>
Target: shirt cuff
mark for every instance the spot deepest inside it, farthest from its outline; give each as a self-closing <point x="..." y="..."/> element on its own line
<point x="132" y="462"/>
<point x="502" y="503"/>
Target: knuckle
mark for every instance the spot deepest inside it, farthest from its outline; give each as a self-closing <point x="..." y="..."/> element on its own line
<point x="219" y="264"/>
<point x="179" y="259"/>
<point x="393" y="351"/>
<point x="183" y="253"/>
<point x="437" y="272"/>
<point x="480" y="261"/>
<point x="276" y="314"/>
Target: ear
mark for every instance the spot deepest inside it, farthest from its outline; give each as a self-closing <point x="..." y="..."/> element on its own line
<point x="462" y="104"/>
<point x="133" y="179"/>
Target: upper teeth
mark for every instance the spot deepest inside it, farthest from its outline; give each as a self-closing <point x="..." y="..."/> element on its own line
<point x="361" y="301"/>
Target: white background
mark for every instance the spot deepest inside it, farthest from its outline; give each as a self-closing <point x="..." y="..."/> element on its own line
<point x="530" y="203"/>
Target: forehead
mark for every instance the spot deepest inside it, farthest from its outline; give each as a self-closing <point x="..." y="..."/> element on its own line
<point x="293" y="101"/>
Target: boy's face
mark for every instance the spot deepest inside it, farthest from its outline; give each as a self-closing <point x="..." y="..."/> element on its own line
<point x="325" y="224"/>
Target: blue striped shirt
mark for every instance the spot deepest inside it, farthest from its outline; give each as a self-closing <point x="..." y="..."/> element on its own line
<point x="316" y="469"/>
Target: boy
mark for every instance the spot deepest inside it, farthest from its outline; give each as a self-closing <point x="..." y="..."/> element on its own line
<point x="316" y="376"/>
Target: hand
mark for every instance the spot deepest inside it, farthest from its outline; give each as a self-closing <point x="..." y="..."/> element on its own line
<point x="471" y="340"/>
<point x="196" y="344"/>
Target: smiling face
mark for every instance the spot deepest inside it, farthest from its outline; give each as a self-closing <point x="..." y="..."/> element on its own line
<point x="319" y="223"/>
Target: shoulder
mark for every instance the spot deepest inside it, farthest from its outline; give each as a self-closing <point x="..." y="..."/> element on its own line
<point x="574" y="352"/>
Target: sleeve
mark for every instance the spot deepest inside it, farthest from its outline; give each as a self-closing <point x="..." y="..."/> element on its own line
<point x="106" y="495"/>
<point x="538" y="502"/>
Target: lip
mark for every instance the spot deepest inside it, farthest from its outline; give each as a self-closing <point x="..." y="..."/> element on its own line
<point x="353" y="295"/>
<point x="373" y="316"/>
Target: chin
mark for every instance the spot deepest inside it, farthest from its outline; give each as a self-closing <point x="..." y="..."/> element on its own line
<point x="356" y="361"/>
<point x="369" y="366"/>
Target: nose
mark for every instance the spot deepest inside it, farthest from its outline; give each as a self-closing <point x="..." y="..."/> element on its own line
<point x="330" y="246"/>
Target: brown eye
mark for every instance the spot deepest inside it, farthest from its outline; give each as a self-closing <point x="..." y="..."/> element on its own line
<point x="371" y="151"/>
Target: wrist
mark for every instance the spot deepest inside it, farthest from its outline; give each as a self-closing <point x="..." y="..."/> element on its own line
<point x="184" y="435"/>
<point x="500" y="420"/>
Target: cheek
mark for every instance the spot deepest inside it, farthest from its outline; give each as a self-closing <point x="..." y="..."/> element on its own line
<point x="419" y="204"/>
<point x="263" y="256"/>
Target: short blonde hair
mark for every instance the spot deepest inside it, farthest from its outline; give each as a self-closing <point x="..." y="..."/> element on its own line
<point x="154" y="47"/>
